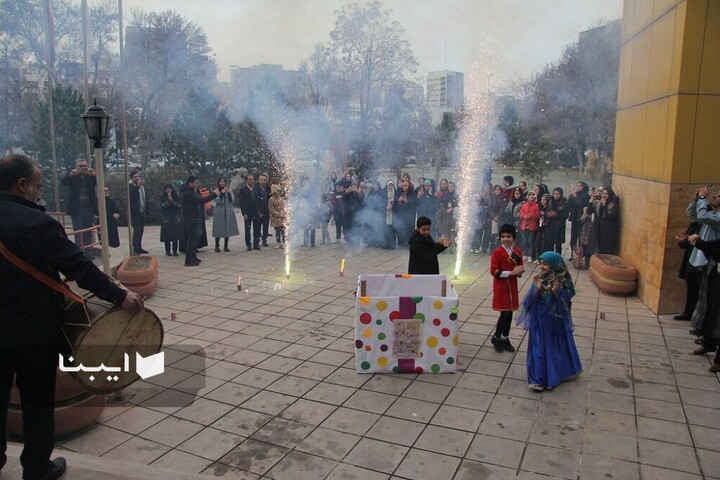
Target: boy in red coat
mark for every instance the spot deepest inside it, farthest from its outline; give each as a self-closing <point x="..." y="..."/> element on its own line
<point x="506" y="265"/>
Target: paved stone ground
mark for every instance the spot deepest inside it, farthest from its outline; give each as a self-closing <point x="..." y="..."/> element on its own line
<point x="281" y="398"/>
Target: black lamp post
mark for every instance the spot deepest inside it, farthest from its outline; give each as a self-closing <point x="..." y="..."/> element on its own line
<point x="96" y="121"/>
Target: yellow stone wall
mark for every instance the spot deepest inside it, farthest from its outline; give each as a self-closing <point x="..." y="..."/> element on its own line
<point x="667" y="138"/>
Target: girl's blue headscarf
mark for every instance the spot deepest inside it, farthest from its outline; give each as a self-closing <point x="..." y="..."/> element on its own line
<point x="553" y="259"/>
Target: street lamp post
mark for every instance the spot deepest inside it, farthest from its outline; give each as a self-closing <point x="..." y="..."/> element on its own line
<point x="96" y="125"/>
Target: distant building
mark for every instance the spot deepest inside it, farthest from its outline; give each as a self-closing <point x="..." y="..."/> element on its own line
<point x="590" y="40"/>
<point x="260" y="83"/>
<point x="445" y="93"/>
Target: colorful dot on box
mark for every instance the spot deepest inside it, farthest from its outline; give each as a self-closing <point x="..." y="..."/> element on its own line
<point x="435" y="368"/>
<point x="381" y="305"/>
<point x="383" y="348"/>
<point x="419" y="316"/>
<point x="378" y="322"/>
<point x="365" y="300"/>
<point x="396" y="369"/>
<point x="442" y="351"/>
<point x="381" y="336"/>
<point x="367" y="333"/>
<point x="365" y="318"/>
<point x="359" y="343"/>
<point x="437" y="322"/>
<point x="454" y="310"/>
<point x="417" y="299"/>
<point x="438" y="304"/>
<point x="383" y="362"/>
<point x="445" y="332"/>
<point x="450" y="360"/>
<point x="453" y="316"/>
<point x="368" y="348"/>
<point x="365" y="365"/>
<point x="419" y="370"/>
<point x="394" y="315"/>
<point x="432" y="342"/>
<point x="456" y="340"/>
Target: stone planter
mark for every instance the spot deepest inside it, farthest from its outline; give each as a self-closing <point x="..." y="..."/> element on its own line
<point x="139" y="274"/>
<point x="613" y="275"/>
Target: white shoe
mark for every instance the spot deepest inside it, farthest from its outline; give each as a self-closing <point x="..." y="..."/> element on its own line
<point x="536" y="387"/>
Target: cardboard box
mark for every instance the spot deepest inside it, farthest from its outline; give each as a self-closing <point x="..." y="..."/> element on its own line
<point x="406" y="324"/>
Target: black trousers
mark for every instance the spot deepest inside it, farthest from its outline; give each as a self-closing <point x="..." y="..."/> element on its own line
<point x="502" y="329"/>
<point x="193" y="234"/>
<point x="254" y="223"/>
<point x="575" y="229"/>
<point x="692" y="283"/>
<point x="264" y="227"/>
<point x="34" y="369"/>
<point x="138" y="225"/>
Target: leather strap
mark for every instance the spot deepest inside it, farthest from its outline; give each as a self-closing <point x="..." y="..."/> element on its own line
<point x="39" y="276"/>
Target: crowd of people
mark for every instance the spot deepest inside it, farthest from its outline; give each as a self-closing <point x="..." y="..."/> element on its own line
<point x="700" y="270"/>
<point x="380" y="216"/>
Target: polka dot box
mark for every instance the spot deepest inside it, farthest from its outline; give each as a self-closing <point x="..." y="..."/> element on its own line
<point x="406" y="324"/>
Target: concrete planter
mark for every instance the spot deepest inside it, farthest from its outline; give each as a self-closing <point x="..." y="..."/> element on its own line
<point x="139" y="274"/>
<point x="613" y="275"/>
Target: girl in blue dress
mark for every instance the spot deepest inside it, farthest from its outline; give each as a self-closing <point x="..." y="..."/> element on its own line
<point x="545" y="313"/>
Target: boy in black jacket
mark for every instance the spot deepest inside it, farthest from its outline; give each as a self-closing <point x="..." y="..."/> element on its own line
<point x="424" y="251"/>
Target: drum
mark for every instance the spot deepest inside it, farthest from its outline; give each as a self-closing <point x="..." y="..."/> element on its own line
<point x="108" y="345"/>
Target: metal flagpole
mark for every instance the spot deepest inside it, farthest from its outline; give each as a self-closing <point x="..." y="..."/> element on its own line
<point x="51" y="116"/>
<point x="123" y="122"/>
<point x="86" y="61"/>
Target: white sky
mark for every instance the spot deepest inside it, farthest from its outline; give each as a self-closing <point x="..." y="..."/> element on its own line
<point x="523" y="35"/>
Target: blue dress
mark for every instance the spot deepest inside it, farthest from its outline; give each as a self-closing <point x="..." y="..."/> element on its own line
<point x="552" y="355"/>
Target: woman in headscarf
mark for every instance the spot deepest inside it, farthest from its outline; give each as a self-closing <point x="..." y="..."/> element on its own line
<point x="388" y="237"/>
<point x="607" y="216"/>
<point x="171" y="229"/>
<point x="552" y="356"/>
<point x="446" y="213"/>
<point x="543" y="207"/>
<point x="224" y="221"/>
<point x="511" y="216"/>
<point x="578" y="198"/>
<point x="557" y="216"/>
<point x="374" y="215"/>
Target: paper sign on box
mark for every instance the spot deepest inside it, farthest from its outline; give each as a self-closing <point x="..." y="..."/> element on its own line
<point x="406" y="324"/>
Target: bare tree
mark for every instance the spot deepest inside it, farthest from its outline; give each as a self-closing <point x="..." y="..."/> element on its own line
<point x="325" y="94"/>
<point x="372" y="54"/>
<point x="166" y="57"/>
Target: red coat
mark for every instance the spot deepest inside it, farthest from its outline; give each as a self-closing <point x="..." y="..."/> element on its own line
<point x="505" y="290"/>
<point x="529" y="216"/>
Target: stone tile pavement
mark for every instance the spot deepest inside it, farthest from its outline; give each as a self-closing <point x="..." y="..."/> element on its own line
<point x="261" y="384"/>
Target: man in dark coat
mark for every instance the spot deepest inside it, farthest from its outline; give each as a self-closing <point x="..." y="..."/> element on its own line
<point x="31" y="313"/>
<point x="249" y="198"/>
<point x="264" y="217"/>
<point x="193" y="214"/>
<point x="138" y="210"/>
<point x="82" y="204"/>
<point x="424" y="251"/>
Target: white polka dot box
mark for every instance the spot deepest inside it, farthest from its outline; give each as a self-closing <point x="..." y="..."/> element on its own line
<point x="406" y="324"/>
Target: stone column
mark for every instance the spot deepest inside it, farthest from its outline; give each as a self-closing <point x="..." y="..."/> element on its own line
<point x="667" y="137"/>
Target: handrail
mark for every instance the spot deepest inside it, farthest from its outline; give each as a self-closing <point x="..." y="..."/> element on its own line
<point x="61" y="218"/>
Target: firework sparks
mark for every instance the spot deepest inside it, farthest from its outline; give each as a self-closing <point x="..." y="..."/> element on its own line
<point x="472" y="148"/>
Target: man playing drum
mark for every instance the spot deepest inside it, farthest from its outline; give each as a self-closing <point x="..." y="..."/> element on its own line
<point x="31" y="312"/>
